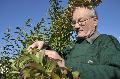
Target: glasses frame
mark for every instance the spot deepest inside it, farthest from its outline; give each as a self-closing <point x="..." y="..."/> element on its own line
<point x="80" y="21"/>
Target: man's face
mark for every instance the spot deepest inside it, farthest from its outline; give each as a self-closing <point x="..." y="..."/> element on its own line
<point x="83" y="22"/>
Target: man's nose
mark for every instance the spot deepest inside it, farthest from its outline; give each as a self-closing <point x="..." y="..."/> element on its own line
<point x="76" y="26"/>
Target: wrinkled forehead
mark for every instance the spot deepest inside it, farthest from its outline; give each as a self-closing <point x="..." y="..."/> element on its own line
<point x="81" y="12"/>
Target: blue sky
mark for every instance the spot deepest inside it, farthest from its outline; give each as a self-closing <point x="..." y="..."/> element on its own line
<point x="14" y="13"/>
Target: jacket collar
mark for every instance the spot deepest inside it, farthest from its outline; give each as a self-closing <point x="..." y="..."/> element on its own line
<point x="93" y="37"/>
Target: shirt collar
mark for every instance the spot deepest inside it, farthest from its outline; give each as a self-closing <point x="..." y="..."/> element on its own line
<point x="93" y="37"/>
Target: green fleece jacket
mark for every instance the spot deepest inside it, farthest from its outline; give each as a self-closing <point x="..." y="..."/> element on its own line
<point x="99" y="60"/>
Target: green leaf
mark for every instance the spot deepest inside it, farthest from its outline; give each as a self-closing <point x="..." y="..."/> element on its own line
<point x="24" y="59"/>
<point x="75" y="74"/>
<point x="13" y="66"/>
<point x="40" y="56"/>
<point x="26" y="73"/>
<point x="55" y="76"/>
<point x="28" y="22"/>
<point x="15" y="72"/>
<point x="50" y="65"/>
<point x="36" y="66"/>
<point x="34" y="58"/>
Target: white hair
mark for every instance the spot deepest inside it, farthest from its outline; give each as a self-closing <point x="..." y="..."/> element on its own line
<point x="92" y="11"/>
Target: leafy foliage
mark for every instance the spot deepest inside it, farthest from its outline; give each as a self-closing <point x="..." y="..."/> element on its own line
<point x="4" y="67"/>
<point x="15" y="45"/>
<point x="35" y="65"/>
<point x="23" y="37"/>
<point x="61" y="28"/>
<point x="85" y="3"/>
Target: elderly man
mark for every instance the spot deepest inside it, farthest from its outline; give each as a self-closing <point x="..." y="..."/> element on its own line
<point x="94" y="55"/>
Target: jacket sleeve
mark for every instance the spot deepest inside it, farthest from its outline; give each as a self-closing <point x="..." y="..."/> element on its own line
<point x="109" y="67"/>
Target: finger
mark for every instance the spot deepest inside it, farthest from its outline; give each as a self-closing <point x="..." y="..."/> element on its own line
<point x="39" y="44"/>
<point x="52" y="54"/>
<point x="31" y="47"/>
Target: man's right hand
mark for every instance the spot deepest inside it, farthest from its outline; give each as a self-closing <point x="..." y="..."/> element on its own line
<point x="49" y="53"/>
<point x="37" y="44"/>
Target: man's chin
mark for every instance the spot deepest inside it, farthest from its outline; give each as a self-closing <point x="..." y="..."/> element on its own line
<point x="82" y="35"/>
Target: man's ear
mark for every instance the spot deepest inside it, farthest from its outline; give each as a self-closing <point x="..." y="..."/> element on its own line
<point x="95" y="19"/>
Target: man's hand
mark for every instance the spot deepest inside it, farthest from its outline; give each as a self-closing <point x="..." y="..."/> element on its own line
<point x="55" y="55"/>
<point x="37" y="44"/>
<point x="49" y="53"/>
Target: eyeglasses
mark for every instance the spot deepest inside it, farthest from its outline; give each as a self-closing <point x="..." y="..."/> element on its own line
<point x="81" y="21"/>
